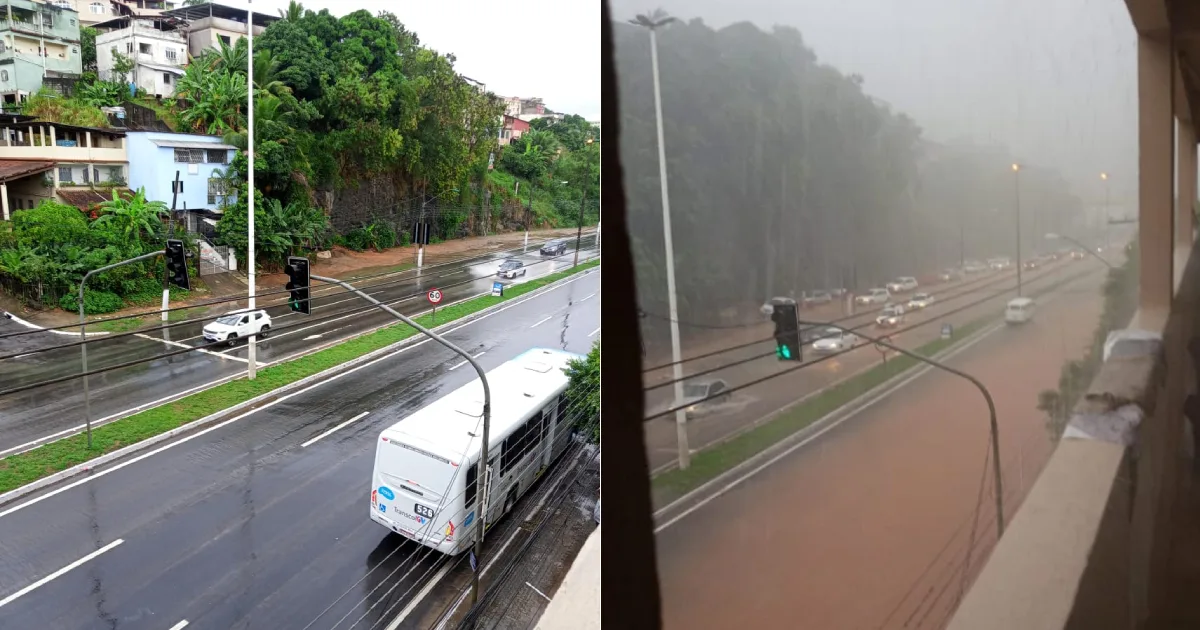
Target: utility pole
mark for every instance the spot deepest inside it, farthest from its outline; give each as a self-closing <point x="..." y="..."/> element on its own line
<point x="166" y="294"/>
<point x="252" y="346"/>
<point x="579" y="232"/>
<point x="420" y="221"/>
<point x="653" y="23"/>
<point x="1107" y="230"/>
<point x="1016" y="168"/>
<point x="481" y="476"/>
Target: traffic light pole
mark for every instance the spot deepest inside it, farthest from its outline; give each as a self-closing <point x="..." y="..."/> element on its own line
<point x="87" y="398"/>
<point x="987" y="396"/>
<point x="481" y="476"/>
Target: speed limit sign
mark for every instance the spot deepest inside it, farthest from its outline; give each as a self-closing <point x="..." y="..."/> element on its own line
<point x="435" y="296"/>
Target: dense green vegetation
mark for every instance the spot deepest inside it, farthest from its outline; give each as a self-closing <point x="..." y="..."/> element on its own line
<point x="44" y="253"/>
<point x="583" y="392"/>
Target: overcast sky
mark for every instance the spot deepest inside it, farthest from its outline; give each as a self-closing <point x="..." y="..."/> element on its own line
<point x="546" y="48"/>
<point x="1055" y="81"/>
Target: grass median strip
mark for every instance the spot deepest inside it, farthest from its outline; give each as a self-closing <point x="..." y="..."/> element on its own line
<point x="713" y="461"/>
<point x="707" y="464"/>
<point x="18" y="470"/>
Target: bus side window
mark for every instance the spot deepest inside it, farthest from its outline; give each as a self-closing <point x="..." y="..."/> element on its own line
<point x="561" y="409"/>
<point x="472" y="487"/>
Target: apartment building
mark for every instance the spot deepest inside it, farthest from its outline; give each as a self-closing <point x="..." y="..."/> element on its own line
<point x="156" y="46"/>
<point x="36" y="41"/>
<point x="209" y="24"/>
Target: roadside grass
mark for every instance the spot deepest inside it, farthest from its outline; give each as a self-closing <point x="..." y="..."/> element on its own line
<point x="18" y="470"/>
<point x="707" y="464"/>
<point x="717" y="459"/>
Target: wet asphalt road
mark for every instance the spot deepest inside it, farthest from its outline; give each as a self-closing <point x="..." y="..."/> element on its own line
<point x="55" y="410"/>
<point x="241" y="526"/>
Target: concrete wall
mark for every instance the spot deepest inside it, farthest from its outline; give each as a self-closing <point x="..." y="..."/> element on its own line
<point x="153" y="167"/>
<point x="204" y="33"/>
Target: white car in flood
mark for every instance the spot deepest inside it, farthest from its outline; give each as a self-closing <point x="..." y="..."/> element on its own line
<point x="833" y="340"/>
<point x="920" y="300"/>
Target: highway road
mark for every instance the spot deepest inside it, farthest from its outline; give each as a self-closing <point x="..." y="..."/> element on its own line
<point x="30" y="417"/>
<point x="753" y="403"/>
<point x="867" y="525"/>
<point x="261" y="521"/>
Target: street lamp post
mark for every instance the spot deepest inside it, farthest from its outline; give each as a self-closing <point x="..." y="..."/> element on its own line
<point x="252" y="346"/>
<point x="994" y="425"/>
<point x="1016" y="168"/>
<point x="652" y="23"/>
<point x="1107" y="240"/>
<point x="421" y="220"/>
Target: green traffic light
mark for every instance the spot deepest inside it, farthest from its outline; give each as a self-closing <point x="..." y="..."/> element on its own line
<point x="783" y="352"/>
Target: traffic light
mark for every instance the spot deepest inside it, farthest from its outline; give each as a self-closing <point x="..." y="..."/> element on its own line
<point x="787" y="333"/>
<point x="420" y="234"/>
<point x="177" y="265"/>
<point x="297" y="271"/>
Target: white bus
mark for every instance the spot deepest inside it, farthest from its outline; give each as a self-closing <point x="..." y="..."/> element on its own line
<point x="424" y="483"/>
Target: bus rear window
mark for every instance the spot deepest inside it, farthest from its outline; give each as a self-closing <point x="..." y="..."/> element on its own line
<point x="414" y="472"/>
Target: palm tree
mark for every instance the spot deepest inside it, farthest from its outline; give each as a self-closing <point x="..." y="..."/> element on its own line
<point x="266" y="75"/>
<point x="135" y="218"/>
<point x="294" y="12"/>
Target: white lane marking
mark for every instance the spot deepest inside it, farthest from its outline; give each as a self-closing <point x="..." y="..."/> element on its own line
<point x="540" y="322"/>
<point x="589" y="296"/>
<point x="180" y="626"/>
<point x="59" y="332"/>
<point x="326" y="434"/>
<point x="101" y="473"/>
<point x="462" y="363"/>
<point x="421" y="594"/>
<point x="593" y="333"/>
<point x="184" y="345"/>
<point x="42" y="582"/>
<point x="311" y="337"/>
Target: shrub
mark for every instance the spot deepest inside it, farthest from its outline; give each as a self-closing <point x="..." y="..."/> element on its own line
<point x="94" y="302"/>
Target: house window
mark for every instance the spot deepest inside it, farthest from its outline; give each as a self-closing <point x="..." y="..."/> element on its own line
<point x="189" y="156"/>
<point x="86" y="174"/>
<point x="171" y="55"/>
<point x="177" y="186"/>
<point x="129" y="48"/>
<point x="74" y="50"/>
<point x="3" y="46"/>
<point x="97" y="8"/>
<point x="47" y="20"/>
<point x="225" y="38"/>
<point x="216" y="188"/>
<point x="96" y="175"/>
<point x="217" y="156"/>
<point x="64" y="174"/>
<point x="72" y="21"/>
<point x="3" y="75"/>
<point x="145" y="49"/>
<point x="166" y="78"/>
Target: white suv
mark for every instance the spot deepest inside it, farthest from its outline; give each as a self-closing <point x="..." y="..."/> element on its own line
<point x="874" y="296"/>
<point x="903" y="284"/>
<point x="230" y="326"/>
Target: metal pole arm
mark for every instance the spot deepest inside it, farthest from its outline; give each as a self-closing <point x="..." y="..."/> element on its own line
<point x="1086" y="249"/>
<point x="987" y="396"/>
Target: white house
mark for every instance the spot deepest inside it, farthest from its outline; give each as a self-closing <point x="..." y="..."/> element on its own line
<point x="157" y="46"/>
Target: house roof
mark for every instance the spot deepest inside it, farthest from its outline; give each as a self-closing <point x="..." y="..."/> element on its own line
<point x="83" y="199"/>
<point x="16" y="169"/>
<point x="183" y="144"/>
<point x="211" y="9"/>
<point x="175" y="70"/>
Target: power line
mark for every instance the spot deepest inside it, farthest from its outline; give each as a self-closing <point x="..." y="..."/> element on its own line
<point x="802" y="365"/>
<point x="306" y="322"/>
<point x="260" y="294"/>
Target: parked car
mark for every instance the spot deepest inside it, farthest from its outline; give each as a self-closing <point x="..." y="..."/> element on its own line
<point x="238" y="325"/>
<point x="511" y="268"/>
<point x="813" y="298"/>
<point x="830" y="339"/>
<point x="903" y="284"/>
<point x="556" y="247"/>
<point x="874" y="296"/>
<point x="920" y="300"/>
<point x="890" y="316"/>
<point x="700" y="396"/>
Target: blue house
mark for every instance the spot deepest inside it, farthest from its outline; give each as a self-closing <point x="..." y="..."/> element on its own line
<point x="154" y="157"/>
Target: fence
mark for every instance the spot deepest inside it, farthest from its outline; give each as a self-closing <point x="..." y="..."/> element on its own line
<point x="34" y="295"/>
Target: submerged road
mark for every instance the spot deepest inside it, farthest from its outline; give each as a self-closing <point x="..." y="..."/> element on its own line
<point x="52" y="411"/>
<point x="868" y="525"/>
<point x="261" y="521"/>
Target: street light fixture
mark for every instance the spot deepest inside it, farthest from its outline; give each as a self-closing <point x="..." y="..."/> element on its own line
<point x="652" y="23"/>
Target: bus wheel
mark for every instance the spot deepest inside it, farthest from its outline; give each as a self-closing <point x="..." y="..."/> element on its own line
<point x="510" y="500"/>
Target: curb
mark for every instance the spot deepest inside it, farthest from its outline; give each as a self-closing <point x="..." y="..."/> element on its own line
<point x="88" y="466"/>
<point x="34" y="326"/>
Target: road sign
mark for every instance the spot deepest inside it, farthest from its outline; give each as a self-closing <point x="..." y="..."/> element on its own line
<point x="497" y="289"/>
<point x="435" y="296"/>
<point x="947" y="331"/>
